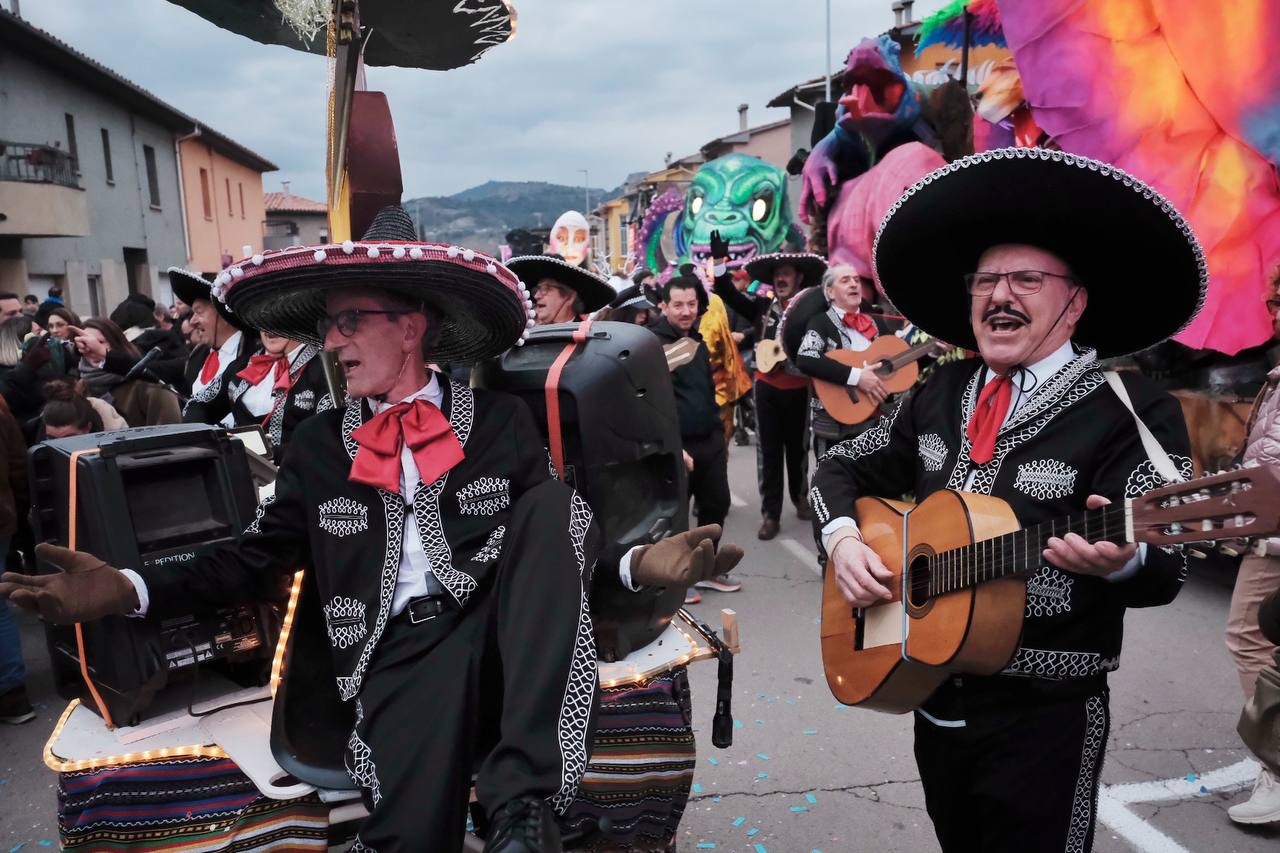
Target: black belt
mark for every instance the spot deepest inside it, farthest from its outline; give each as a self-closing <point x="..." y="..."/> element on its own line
<point x="424" y="608"/>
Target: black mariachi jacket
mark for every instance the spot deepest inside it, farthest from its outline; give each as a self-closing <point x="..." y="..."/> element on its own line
<point x="694" y="385"/>
<point x="350" y="533"/>
<point x="1072" y="438"/>
<point x="821" y="336"/>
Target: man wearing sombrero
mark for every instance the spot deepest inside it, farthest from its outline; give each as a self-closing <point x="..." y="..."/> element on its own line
<point x="562" y="292"/>
<point x="221" y="334"/>
<point x="782" y="393"/>
<point x="1042" y="262"/>
<point x="451" y="569"/>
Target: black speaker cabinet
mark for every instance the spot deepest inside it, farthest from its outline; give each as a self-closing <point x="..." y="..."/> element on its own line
<point x="622" y="452"/>
<point x="150" y="497"/>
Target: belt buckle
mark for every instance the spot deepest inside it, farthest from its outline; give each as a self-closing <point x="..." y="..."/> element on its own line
<point x="413" y="615"/>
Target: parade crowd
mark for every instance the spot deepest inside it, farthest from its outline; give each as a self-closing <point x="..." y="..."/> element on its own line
<point x="480" y="593"/>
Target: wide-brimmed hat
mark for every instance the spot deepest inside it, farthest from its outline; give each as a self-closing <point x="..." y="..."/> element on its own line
<point x="803" y="307"/>
<point x="762" y="267"/>
<point x="632" y="297"/>
<point x="1133" y="252"/>
<point x="483" y="307"/>
<point x="594" y="291"/>
<point x="190" y="286"/>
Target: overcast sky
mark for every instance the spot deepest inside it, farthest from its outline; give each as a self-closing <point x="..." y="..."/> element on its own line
<point x="604" y="85"/>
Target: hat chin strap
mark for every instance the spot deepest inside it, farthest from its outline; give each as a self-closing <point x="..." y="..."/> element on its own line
<point x="382" y="398"/>
<point x="1020" y="367"/>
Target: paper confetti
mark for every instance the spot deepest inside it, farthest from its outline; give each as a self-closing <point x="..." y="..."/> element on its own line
<point x="706" y="845"/>
<point x="1203" y="789"/>
<point x="752" y="832"/>
<point x="762" y="775"/>
<point x="809" y="732"/>
<point x="812" y="799"/>
<point x="697" y="789"/>
<point x="759" y="722"/>
<point x="737" y="724"/>
<point x="716" y="798"/>
<point x="762" y="756"/>
<point x="15" y="848"/>
<point x="713" y="761"/>
<point x="1191" y="777"/>
<point x="760" y="848"/>
<point x="798" y="809"/>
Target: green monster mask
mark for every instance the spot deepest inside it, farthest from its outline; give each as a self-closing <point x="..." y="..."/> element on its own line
<point x="745" y="199"/>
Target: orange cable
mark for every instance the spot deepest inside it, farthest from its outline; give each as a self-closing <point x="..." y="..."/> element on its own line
<point x="71" y="545"/>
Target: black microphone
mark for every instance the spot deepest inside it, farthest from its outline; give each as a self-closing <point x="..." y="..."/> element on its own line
<point x="141" y="366"/>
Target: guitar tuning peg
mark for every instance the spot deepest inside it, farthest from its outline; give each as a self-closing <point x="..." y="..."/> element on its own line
<point x="1206" y="526"/>
<point x="1197" y="553"/>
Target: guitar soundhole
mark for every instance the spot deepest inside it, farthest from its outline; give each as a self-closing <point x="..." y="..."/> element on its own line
<point x="918" y="577"/>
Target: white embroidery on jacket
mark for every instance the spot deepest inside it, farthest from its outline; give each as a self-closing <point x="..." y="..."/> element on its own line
<point x="345" y="618"/>
<point x="932" y="450"/>
<point x="1046" y="479"/>
<point x="485" y="496"/>
<point x="343" y="517"/>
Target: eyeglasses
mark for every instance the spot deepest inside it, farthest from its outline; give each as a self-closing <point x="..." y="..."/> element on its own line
<point x="347" y="322"/>
<point x="1021" y="282"/>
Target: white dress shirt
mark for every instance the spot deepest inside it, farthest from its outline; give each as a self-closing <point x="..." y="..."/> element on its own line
<point x="1030" y="379"/>
<point x="260" y="398"/>
<point x="226" y="354"/>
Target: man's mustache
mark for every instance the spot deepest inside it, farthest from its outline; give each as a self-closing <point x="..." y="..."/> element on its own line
<point x="1005" y="309"/>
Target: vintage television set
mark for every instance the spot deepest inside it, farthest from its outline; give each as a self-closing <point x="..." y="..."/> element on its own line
<point x="149" y="496"/>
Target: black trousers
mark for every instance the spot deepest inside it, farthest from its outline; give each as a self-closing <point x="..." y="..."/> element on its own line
<point x="709" y="479"/>
<point x="505" y="689"/>
<point x="783" y="432"/>
<point x="1022" y="773"/>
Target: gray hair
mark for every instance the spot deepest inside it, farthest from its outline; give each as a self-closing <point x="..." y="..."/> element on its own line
<point x="833" y="272"/>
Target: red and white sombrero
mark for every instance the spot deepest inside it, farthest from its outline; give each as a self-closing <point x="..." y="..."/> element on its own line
<point x="484" y="308"/>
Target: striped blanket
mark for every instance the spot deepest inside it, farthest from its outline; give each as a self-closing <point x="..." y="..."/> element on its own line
<point x="190" y="805"/>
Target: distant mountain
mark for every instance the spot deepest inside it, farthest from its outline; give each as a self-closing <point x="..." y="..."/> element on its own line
<point x="480" y="217"/>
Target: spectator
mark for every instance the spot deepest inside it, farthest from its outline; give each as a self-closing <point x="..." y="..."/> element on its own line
<point x="136" y="319"/>
<point x="1259" y="576"/>
<point x="140" y="401"/>
<point x="54" y="301"/>
<point x="68" y="412"/>
<point x="30" y="304"/>
<point x="24" y="364"/>
<point x="15" y="707"/>
<point x="61" y="323"/>
<point x="10" y="306"/>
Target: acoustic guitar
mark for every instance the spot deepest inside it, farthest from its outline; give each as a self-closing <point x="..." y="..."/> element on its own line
<point x="891" y="359"/>
<point x="960" y="563"/>
<point x="769" y="355"/>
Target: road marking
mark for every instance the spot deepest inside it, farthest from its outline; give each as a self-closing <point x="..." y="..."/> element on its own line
<point x="803" y="554"/>
<point x="736" y="501"/>
<point x="1113" y="799"/>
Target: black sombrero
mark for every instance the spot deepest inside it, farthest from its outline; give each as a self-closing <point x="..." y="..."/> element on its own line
<point x="593" y="290"/>
<point x="190" y="286"/>
<point x="484" y="307"/>
<point x="632" y="297"/>
<point x="762" y="267"/>
<point x="1131" y="249"/>
<point x="802" y="308"/>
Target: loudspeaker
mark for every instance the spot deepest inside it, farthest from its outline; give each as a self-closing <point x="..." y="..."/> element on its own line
<point x="149" y="497"/>
<point x="622" y="451"/>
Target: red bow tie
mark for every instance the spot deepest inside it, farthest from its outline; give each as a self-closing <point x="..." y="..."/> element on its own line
<point x="261" y="365"/>
<point x="435" y="448"/>
<point x="988" y="416"/>
<point x="210" y="368"/>
<point x="861" y="323"/>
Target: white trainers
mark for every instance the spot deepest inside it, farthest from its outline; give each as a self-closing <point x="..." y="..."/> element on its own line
<point x="1264" y="805"/>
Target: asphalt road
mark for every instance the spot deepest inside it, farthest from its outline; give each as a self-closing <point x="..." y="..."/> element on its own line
<point x="805" y="774"/>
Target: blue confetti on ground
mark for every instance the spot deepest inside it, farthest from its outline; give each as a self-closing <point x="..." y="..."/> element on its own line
<point x="812" y="799"/>
<point x="809" y="732"/>
<point x="762" y="756"/>
<point x="697" y="789"/>
<point x="15" y="848"/>
<point x="1203" y="789"/>
<point x="791" y="701"/>
<point x="762" y="775"/>
<point x="737" y="724"/>
<point x="760" y="848"/>
<point x="840" y="707"/>
<point x="713" y="761"/>
<point x="752" y="832"/>
<point x="706" y="845"/>
<point x="739" y="821"/>
<point x="1191" y="777"/>
<point x="759" y="722"/>
<point x="716" y="798"/>
<point x="798" y="809"/>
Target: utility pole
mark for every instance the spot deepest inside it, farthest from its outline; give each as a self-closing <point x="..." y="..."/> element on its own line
<point x="827" y="71"/>
<point x="586" y="191"/>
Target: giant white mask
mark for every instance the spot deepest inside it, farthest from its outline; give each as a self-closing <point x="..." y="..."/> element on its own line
<point x="570" y="237"/>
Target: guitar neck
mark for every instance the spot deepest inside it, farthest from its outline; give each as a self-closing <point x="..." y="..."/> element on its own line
<point x="907" y="356"/>
<point x="1021" y="551"/>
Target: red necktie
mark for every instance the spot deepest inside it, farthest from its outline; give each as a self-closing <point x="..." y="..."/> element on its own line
<point x="260" y="365"/>
<point x="435" y="448"/>
<point x="988" y="416"/>
<point x="861" y="323"/>
<point x="210" y="368"/>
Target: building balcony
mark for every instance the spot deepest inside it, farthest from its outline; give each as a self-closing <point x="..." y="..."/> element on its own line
<point x="39" y="193"/>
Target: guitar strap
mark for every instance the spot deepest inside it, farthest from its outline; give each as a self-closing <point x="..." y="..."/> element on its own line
<point x="1159" y="457"/>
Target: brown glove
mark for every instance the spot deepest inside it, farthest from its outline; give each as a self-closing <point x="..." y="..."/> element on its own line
<point x="684" y="559"/>
<point x="86" y="589"/>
